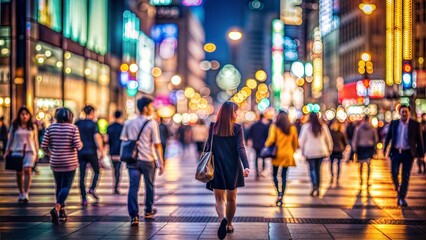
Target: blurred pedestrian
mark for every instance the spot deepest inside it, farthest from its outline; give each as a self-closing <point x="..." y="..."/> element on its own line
<point x="62" y="141"/>
<point x="149" y="157"/>
<point x="350" y="128"/>
<point x="3" y="136"/>
<point x="41" y="129"/>
<point x="92" y="144"/>
<point x="339" y="144"/>
<point x="406" y="144"/>
<point x="114" y="142"/>
<point x="200" y="133"/>
<point x="364" y="144"/>
<point x="316" y="144"/>
<point x="258" y="134"/>
<point x="23" y="140"/>
<point x="420" y="161"/>
<point x="230" y="158"/>
<point x="164" y="136"/>
<point x="284" y="136"/>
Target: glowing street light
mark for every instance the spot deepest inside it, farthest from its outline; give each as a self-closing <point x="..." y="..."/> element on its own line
<point x="366" y="57"/>
<point x="176" y="80"/>
<point x="235" y="35"/>
<point x="367" y="8"/>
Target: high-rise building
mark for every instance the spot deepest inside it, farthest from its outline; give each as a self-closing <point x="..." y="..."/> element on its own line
<point x="420" y="51"/>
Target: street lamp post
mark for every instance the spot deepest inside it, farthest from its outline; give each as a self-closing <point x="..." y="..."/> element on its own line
<point x="365" y="67"/>
<point x="234" y="37"/>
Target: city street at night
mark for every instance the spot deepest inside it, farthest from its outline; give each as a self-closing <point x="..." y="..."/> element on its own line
<point x="186" y="208"/>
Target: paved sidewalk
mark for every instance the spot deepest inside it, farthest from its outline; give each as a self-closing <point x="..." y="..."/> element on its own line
<point x="186" y="208"/>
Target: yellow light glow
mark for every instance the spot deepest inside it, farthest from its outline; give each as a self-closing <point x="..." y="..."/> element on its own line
<point x="300" y="81"/>
<point x="124" y="67"/>
<point x="421" y="60"/>
<point x="261" y="75"/>
<point x="262" y="88"/>
<point x="366" y="57"/>
<point x="361" y="64"/>
<point x="361" y="70"/>
<point x="67" y="55"/>
<point x="397" y="63"/>
<point x="156" y="72"/>
<point x="251" y="83"/>
<point x="379" y="146"/>
<point x="317" y="82"/>
<point x="68" y="70"/>
<point x="209" y="47"/>
<point x="367" y="8"/>
<point x="389" y="42"/>
<point x="408" y="30"/>
<point x="235" y="35"/>
<point x="87" y="71"/>
<point x="189" y="92"/>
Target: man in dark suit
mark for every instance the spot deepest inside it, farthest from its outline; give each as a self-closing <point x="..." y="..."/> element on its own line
<point x="406" y="144"/>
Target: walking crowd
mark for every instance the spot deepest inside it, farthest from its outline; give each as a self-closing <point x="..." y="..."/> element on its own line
<point x="141" y="144"/>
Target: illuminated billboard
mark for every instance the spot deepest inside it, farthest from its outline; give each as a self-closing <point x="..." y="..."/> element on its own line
<point x="291" y="12"/>
<point x="145" y="62"/>
<point x="328" y="16"/>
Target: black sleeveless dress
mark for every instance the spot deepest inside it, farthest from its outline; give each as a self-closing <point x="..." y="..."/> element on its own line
<point x="229" y="159"/>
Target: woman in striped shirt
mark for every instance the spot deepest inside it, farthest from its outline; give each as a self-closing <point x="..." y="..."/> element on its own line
<point x="62" y="141"/>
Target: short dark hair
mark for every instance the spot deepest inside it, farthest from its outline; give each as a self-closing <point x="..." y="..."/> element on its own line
<point x="118" y="114"/>
<point x="143" y="102"/>
<point x="405" y="106"/>
<point x="261" y="116"/>
<point x="64" y="115"/>
<point x="88" y="109"/>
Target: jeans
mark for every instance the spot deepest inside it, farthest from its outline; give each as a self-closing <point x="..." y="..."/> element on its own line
<point x="117" y="168"/>
<point x="406" y="159"/>
<point x="94" y="162"/>
<point x="147" y="169"/>
<point x="256" y="164"/>
<point x="315" y="171"/>
<point x="283" y="179"/>
<point x="338" y="157"/>
<point x="63" y="182"/>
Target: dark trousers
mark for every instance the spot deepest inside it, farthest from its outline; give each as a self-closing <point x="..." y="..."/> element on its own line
<point x="147" y="169"/>
<point x="117" y="168"/>
<point x="338" y="158"/>
<point x="164" y="145"/>
<point x="256" y="162"/>
<point x="283" y="179"/>
<point x="406" y="159"/>
<point x="63" y="182"/>
<point x="315" y="171"/>
<point x="92" y="159"/>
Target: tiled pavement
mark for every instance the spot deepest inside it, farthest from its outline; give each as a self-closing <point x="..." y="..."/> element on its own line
<point x="186" y="208"/>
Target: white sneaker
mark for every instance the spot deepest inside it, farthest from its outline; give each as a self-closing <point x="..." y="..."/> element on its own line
<point x="21" y="197"/>
<point x="26" y="198"/>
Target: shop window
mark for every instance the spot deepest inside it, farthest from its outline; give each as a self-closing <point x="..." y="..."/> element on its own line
<point x="97" y="38"/>
<point x="74" y="82"/>
<point x="49" y="13"/>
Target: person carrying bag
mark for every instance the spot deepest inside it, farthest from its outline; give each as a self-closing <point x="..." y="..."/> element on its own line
<point x="205" y="167"/>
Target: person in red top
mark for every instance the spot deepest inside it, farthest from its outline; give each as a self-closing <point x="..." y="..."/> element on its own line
<point x="62" y="141"/>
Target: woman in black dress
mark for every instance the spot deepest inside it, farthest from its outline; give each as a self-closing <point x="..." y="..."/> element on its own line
<point x="229" y="159"/>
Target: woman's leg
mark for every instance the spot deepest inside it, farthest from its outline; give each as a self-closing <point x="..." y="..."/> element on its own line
<point x="361" y="164"/>
<point x="283" y="180"/>
<point x="19" y="180"/>
<point x="368" y="172"/>
<point x="331" y="168"/>
<point x="66" y="183"/>
<point x="274" y="177"/>
<point x="318" y="173"/>
<point x="231" y="205"/>
<point x="27" y="179"/>
<point x="311" y="163"/>
<point x="339" y="161"/>
<point x="220" y="202"/>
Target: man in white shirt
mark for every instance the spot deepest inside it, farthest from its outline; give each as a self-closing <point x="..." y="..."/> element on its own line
<point x="150" y="156"/>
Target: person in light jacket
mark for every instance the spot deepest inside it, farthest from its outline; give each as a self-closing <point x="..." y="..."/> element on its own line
<point x="316" y="144"/>
<point x="364" y="144"/>
<point x="284" y="136"/>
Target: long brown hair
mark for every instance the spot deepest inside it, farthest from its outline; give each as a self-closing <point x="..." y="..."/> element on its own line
<point x="224" y="125"/>
<point x="316" y="126"/>
<point x="283" y="122"/>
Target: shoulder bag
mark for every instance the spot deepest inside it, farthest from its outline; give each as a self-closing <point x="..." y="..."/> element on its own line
<point x="269" y="152"/>
<point x="205" y="166"/>
<point x="15" y="162"/>
<point x="129" y="149"/>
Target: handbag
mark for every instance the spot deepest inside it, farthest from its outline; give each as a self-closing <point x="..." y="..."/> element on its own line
<point x="129" y="150"/>
<point x="269" y="152"/>
<point x="15" y="162"/>
<point x="205" y="166"/>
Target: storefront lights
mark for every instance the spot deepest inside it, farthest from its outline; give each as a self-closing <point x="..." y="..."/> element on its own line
<point x="133" y="67"/>
<point x="408" y="30"/>
<point x="389" y="42"/>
